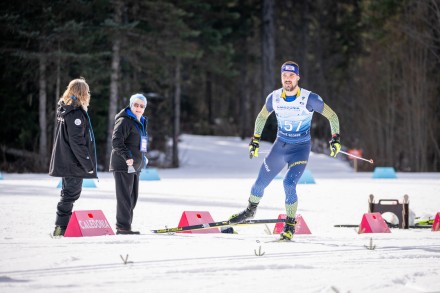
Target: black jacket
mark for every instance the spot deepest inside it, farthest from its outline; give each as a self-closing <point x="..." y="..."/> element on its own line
<point x="73" y="153"/>
<point x="126" y="141"/>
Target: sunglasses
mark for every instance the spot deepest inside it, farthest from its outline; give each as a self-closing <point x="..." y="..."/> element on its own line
<point x="136" y="105"/>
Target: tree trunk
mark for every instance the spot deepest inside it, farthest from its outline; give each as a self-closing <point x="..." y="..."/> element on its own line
<point x="208" y="96"/>
<point x="176" y="122"/>
<point x="304" y="48"/>
<point x="268" y="47"/>
<point x="244" y="98"/>
<point x="114" y="85"/>
<point x="57" y="87"/>
<point x="42" y="117"/>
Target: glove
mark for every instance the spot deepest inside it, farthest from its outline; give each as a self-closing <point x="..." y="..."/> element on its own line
<point x="335" y="145"/>
<point x="254" y="145"/>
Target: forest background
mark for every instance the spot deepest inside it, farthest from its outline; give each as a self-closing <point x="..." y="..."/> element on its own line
<point x="206" y="67"/>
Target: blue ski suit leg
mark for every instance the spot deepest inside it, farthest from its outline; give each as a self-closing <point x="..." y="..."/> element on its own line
<point x="295" y="156"/>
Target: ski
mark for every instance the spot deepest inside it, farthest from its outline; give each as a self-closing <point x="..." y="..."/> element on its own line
<point x="279" y="240"/>
<point x="217" y="225"/>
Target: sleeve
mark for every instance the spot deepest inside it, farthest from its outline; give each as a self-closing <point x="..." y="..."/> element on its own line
<point x="328" y="113"/>
<point x="76" y="124"/>
<point x="262" y="116"/>
<point x="120" y="133"/>
<point x="315" y="103"/>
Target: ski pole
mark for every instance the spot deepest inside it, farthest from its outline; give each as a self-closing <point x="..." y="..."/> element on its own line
<point x="363" y="159"/>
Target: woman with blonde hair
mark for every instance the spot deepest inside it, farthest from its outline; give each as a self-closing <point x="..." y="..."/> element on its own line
<point x="74" y="151"/>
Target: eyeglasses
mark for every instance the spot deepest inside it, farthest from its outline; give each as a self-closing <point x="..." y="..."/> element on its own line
<point x="136" y="105"/>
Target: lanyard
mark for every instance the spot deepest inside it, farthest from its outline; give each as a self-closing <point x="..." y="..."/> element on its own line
<point x="144" y="139"/>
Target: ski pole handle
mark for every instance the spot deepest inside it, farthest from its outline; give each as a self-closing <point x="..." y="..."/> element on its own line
<point x="360" y="158"/>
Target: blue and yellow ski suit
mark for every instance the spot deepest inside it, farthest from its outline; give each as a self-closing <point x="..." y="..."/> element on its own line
<point x="293" y="143"/>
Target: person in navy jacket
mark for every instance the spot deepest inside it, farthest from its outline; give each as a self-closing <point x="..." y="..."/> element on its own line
<point x="128" y="157"/>
<point x="74" y="151"/>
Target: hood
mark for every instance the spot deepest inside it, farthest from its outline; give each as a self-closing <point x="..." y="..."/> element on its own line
<point x="64" y="109"/>
<point x="123" y="113"/>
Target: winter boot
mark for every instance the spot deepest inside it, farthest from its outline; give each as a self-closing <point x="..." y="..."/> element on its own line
<point x="120" y="231"/>
<point x="248" y="213"/>
<point x="289" y="229"/>
<point x="59" y="231"/>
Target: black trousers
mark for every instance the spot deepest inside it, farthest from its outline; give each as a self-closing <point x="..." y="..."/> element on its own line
<point x="127" y="191"/>
<point x="70" y="192"/>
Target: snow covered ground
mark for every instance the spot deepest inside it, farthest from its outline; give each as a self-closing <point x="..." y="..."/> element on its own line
<point x="216" y="176"/>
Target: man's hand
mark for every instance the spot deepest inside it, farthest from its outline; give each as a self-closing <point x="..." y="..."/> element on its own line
<point x="254" y="145"/>
<point x="335" y="145"/>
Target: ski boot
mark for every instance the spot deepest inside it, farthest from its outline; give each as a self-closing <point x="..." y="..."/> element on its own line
<point x="248" y="213"/>
<point x="289" y="229"/>
<point x="59" y="231"/>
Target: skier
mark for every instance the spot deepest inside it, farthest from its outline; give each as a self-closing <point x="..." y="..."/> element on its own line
<point x="129" y="145"/>
<point x="74" y="151"/>
<point x="294" y="108"/>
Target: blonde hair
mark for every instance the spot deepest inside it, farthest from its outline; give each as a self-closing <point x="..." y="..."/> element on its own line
<point x="80" y="89"/>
